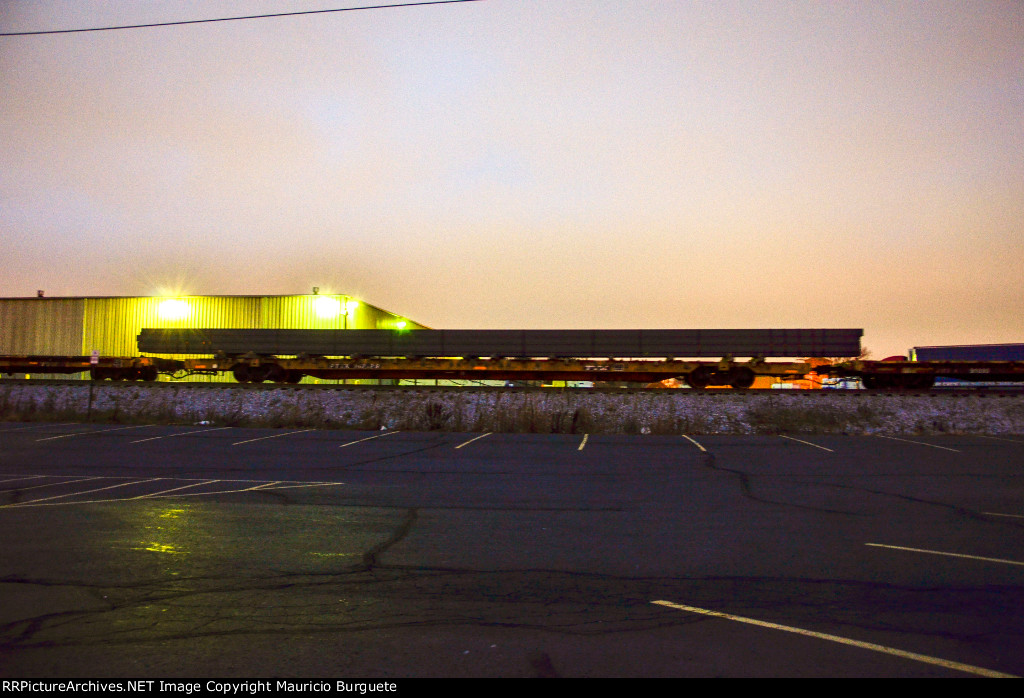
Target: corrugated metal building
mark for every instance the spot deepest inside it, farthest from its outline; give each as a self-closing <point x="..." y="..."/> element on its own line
<point x="110" y="325"/>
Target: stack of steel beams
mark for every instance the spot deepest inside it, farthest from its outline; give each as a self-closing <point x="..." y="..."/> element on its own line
<point x="507" y="343"/>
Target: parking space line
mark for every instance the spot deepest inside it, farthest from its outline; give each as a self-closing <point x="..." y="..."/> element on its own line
<point x="259" y="487"/>
<point x="273" y="436"/>
<point x="38" y="426"/>
<point x="175" y="489"/>
<point x="997" y="438"/>
<point x="583" y="443"/>
<point x="51" y="484"/>
<point x="939" y="552"/>
<point x="180" y="433"/>
<point x="1012" y="516"/>
<point x="87" y="433"/>
<point x="919" y="443"/>
<point x="694" y="442"/>
<point x="207" y="494"/>
<point x="167" y="494"/>
<point x="75" y="494"/>
<point x="474" y="439"/>
<point x="375" y="436"/>
<point x="308" y="484"/>
<point x="29" y="477"/>
<point x="806" y="442"/>
<point x="957" y="666"/>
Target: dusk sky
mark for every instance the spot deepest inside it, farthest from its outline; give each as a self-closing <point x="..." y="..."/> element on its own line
<point x="530" y="163"/>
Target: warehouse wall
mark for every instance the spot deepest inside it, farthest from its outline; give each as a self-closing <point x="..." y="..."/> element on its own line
<point x="41" y="326"/>
<point x="79" y="326"/>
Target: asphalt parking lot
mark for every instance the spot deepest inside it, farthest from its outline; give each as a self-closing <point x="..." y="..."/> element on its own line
<point x="141" y="551"/>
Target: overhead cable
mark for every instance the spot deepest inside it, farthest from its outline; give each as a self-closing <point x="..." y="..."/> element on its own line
<point x="234" y="19"/>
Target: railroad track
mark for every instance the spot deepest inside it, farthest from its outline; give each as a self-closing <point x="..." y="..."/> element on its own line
<point x="984" y="391"/>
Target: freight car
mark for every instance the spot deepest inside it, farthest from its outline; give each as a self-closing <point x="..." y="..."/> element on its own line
<point x="99" y="367"/>
<point x="511" y="344"/>
<point x="921" y="375"/>
<point x="645" y="356"/>
<point x="586" y="355"/>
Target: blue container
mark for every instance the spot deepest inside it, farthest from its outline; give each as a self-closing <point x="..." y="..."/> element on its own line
<point x="969" y="352"/>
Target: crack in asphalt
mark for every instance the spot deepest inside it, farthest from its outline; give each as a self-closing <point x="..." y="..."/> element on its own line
<point x="370" y="557"/>
<point x="550" y="601"/>
<point x="962" y="511"/>
<point x="398" y="454"/>
<point x="709" y="461"/>
<point x="745" y="485"/>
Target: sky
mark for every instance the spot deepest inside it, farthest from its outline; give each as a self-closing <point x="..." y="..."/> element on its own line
<point x="530" y="163"/>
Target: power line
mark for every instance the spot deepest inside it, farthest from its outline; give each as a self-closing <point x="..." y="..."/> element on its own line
<point x="234" y="19"/>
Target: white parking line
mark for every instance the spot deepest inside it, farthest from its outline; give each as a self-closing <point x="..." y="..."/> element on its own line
<point x="967" y="668"/>
<point x="259" y="487"/>
<point x="694" y="442"/>
<point x="16" y="479"/>
<point x="939" y="552"/>
<point x="164" y="495"/>
<point x="806" y="442"/>
<point x="87" y="433"/>
<point x="1012" y="516"/>
<point x="180" y="433"/>
<point x="75" y="494"/>
<point x="175" y="489"/>
<point x="38" y="426"/>
<point x="474" y="439"/>
<point x="51" y="484"/>
<point x="997" y="438"/>
<point x="274" y="436"/>
<point x="309" y="484"/>
<point x="376" y="436"/>
<point x="583" y="443"/>
<point x="919" y="443"/>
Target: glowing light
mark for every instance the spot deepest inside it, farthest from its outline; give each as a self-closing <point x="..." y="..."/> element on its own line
<point x="401" y="324"/>
<point x="351" y="307"/>
<point x="155" y="547"/>
<point x="327" y="307"/>
<point x="173" y="309"/>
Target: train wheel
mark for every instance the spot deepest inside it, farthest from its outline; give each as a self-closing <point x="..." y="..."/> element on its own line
<point x="275" y="373"/>
<point x="925" y="382"/>
<point x="874" y="381"/>
<point x="918" y="381"/>
<point x="258" y="374"/>
<point x="293" y="377"/>
<point x="148" y="373"/>
<point x="741" y="378"/>
<point x="699" y="378"/>
<point x="241" y="373"/>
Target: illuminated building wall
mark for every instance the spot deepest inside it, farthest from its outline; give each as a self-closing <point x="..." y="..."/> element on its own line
<point x="110" y="325"/>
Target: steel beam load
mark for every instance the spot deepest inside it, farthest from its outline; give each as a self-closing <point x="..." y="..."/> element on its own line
<point x="622" y="344"/>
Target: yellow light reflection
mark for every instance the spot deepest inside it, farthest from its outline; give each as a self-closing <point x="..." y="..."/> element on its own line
<point x="326" y="307"/>
<point x="167" y="526"/>
<point x="155" y="547"/>
<point x="173" y="309"/>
